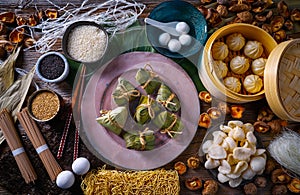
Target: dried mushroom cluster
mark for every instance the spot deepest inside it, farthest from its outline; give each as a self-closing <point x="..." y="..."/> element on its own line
<point x="14" y="29"/>
<point x="233" y="152"/>
<point x="239" y="63"/>
<point x="275" y="18"/>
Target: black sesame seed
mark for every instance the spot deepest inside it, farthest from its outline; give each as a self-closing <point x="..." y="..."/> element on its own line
<point x="51" y="67"/>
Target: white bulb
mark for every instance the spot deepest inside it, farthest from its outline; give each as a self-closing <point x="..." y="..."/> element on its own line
<point x="185" y="39"/>
<point x="182" y="28"/>
<point x="174" y="45"/>
<point x="65" y="179"/>
<point x="164" y="39"/>
<point x="81" y="166"/>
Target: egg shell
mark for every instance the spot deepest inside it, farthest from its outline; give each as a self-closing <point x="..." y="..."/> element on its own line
<point x="81" y="166"/>
<point x="185" y="39"/>
<point x="65" y="179"/>
<point x="182" y="27"/>
<point x="164" y="39"/>
<point x="174" y="45"/>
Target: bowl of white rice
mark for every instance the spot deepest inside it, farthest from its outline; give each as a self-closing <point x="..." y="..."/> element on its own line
<point x="85" y="41"/>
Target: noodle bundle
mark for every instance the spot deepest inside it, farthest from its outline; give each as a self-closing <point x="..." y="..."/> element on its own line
<point x="159" y="182"/>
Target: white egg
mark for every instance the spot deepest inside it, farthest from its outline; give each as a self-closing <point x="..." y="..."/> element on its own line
<point x="174" y="45"/>
<point x="81" y="166"/>
<point x="185" y="39"/>
<point x="65" y="179"/>
<point x="164" y="39"/>
<point x="182" y="27"/>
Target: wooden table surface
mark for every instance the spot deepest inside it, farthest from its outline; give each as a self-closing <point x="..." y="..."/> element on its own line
<point x="44" y="186"/>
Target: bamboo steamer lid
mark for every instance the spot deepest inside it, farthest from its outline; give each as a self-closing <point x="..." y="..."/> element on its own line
<point x="205" y="69"/>
<point x="282" y="80"/>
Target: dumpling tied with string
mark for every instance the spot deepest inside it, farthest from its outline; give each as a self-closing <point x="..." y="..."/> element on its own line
<point x="235" y="41"/>
<point x="239" y="64"/>
<point x="167" y="98"/>
<point x="125" y="92"/>
<point x="220" y="69"/>
<point x="253" y="49"/>
<point x="141" y="141"/>
<point x="233" y="84"/>
<point x="253" y="83"/>
<point x="258" y="66"/>
<point x="148" y="79"/>
<point x="219" y="50"/>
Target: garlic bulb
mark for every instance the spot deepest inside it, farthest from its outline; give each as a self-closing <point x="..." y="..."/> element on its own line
<point x="258" y="66"/>
<point x="253" y="83"/>
<point x="219" y="50"/>
<point x="253" y="49"/>
<point x="220" y="68"/>
<point x="239" y="64"/>
<point x="235" y="41"/>
<point x="233" y="84"/>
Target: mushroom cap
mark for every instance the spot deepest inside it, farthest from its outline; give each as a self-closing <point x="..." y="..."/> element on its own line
<point x="211" y="163"/>
<point x="257" y="163"/>
<point x="248" y="173"/>
<point x="225" y="167"/>
<point x="238" y="133"/>
<point x="222" y="178"/>
<point x="217" y="152"/>
<point x="242" y="153"/>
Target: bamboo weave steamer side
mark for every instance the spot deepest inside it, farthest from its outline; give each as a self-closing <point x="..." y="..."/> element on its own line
<point x="282" y="80"/>
<point x="205" y="69"/>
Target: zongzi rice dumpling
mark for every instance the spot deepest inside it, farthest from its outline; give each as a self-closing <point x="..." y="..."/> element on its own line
<point x="124" y="92"/>
<point x="144" y="141"/>
<point x="148" y="79"/>
<point x="169" y="123"/>
<point x="114" y="120"/>
<point x="146" y="110"/>
<point x="167" y="98"/>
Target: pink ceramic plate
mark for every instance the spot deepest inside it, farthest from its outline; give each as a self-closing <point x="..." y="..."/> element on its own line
<point x="110" y="148"/>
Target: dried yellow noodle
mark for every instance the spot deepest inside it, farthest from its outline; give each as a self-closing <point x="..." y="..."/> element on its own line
<point x="158" y="182"/>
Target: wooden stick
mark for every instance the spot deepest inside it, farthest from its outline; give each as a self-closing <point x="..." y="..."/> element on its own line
<point x="39" y="144"/>
<point x="14" y="142"/>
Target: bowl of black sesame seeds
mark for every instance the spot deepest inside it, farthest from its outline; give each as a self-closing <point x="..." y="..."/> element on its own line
<point x="52" y="67"/>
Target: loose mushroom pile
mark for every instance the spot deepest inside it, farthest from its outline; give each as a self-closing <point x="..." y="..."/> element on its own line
<point x="233" y="152"/>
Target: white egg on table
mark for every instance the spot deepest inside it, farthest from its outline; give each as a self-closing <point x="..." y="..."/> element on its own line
<point x="164" y="39"/>
<point x="185" y="39"/>
<point x="174" y="45"/>
<point x="65" y="179"/>
<point x="81" y="166"/>
<point x="183" y="28"/>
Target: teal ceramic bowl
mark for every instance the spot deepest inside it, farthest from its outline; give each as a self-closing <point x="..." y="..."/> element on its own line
<point x="180" y="11"/>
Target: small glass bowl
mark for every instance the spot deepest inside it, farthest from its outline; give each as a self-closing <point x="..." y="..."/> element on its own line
<point x="44" y="101"/>
<point x="62" y="77"/>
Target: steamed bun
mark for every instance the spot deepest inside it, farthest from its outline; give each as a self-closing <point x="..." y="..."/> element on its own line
<point x="235" y="41"/>
<point x="253" y="83"/>
<point x="258" y="66"/>
<point x="239" y="64"/>
<point x="220" y="68"/>
<point x="233" y="84"/>
<point x="253" y="49"/>
<point x="219" y="50"/>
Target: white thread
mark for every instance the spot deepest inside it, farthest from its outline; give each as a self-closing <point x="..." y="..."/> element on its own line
<point x="18" y="151"/>
<point x="41" y="149"/>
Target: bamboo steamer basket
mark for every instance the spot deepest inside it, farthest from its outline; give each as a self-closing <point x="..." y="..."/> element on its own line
<point x="282" y="80"/>
<point x="207" y="74"/>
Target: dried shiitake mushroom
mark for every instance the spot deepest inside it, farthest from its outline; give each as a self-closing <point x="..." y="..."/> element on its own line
<point x="193" y="183"/>
<point x="3" y="29"/>
<point x="7" y="17"/>
<point x="237" y="111"/>
<point x="9" y="47"/>
<point x="260" y="182"/>
<point x="277" y="23"/>
<point x="21" y="20"/>
<point x="294" y="185"/>
<point x="180" y="167"/>
<point x="265" y="114"/>
<point x="204" y="120"/>
<point x="17" y="35"/>
<point x="32" y="20"/>
<point x="295" y="15"/>
<point x="289" y="25"/>
<point x="51" y="13"/>
<point x="222" y="10"/>
<point x="40" y="14"/>
<point x="239" y="7"/>
<point x="245" y="16"/>
<point x="29" y="42"/>
<point x="213" y="17"/>
<point x="203" y="10"/>
<point x="224" y="107"/>
<point x="279" y="176"/>
<point x="250" y="189"/>
<point x="276" y="125"/>
<point x="193" y="162"/>
<point x="261" y="127"/>
<point x="267" y="28"/>
<point x="210" y="187"/>
<point x="205" y="96"/>
<point x="270" y="165"/>
<point x="279" y="36"/>
<point x="279" y="190"/>
<point x="283" y="9"/>
<point x="214" y="113"/>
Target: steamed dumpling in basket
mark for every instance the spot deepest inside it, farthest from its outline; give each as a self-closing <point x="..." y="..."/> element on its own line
<point x="253" y="49"/>
<point x="235" y="41"/>
<point x="125" y="92"/>
<point x="148" y="79"/>
<point x="114" y="120"/>
<point x="167" y="98"/>
<point x="169" y="123"/>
